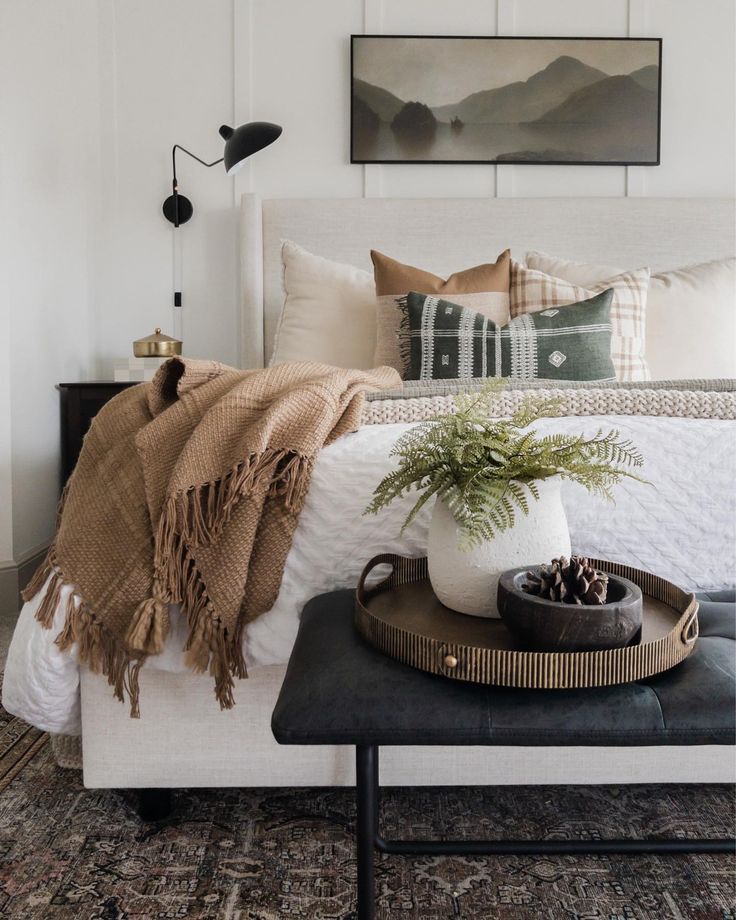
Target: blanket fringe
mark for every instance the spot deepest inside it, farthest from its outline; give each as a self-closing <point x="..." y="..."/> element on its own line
<point x="403" y="336"/>
<point x="196" y="518"/>
<point x="189" y="519"/>
<point x="97" y="647"/>
<point x="199" y="515"/>
<point x="50" y="601"/>
<point x="208" y="647"/>
<point x="292" y="481"/>
<point x="40" y="576"/>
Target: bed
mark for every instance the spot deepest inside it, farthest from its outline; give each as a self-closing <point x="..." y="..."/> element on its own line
<point x="183" y="740"/>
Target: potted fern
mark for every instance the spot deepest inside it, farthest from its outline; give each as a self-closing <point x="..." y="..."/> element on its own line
<point x="497" y="489"/>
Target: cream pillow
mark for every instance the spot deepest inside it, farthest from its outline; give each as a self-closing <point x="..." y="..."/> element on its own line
<point x="691" y="314"/>
<point x="329" y="312"/>
<point x="534" y="291"/>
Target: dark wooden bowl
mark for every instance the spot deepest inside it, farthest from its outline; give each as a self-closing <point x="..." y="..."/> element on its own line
<point x="551" y="626"/>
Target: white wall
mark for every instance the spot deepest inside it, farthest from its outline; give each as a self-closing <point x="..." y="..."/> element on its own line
<point x="109" y="86"/>
<point x="6" y="468"/>
<point x="48" y="191"/>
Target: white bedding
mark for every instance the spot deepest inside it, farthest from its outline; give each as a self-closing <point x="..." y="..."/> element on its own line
<point x="682" y="527"/>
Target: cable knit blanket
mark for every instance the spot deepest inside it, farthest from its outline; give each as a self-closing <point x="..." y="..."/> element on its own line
<point x="188" y="490"/>
<point x="416" y="401"/>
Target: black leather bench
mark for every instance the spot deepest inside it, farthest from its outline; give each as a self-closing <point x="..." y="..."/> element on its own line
<point x="339" y="690"/>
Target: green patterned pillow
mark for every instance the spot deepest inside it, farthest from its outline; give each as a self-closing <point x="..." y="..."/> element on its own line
<point x="442" y="340"/>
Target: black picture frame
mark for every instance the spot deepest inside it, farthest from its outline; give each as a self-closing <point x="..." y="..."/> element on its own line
<point x="508" y="162"/>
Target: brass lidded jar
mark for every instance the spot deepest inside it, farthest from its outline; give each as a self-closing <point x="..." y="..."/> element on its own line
<point x="158" y="345"/>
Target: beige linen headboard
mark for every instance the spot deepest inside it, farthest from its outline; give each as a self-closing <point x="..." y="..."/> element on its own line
<point x="445" y="234"/>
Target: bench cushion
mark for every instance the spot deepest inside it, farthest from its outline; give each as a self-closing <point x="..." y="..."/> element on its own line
<point x="339" y="690"/>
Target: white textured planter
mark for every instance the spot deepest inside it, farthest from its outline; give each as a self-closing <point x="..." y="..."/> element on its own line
<point x="467" y="580"/>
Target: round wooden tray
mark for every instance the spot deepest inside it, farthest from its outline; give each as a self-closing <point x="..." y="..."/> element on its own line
<point x="402" y="617"/>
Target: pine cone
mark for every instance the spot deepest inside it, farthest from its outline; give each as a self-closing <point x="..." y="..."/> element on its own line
<point x="574" y="582"/>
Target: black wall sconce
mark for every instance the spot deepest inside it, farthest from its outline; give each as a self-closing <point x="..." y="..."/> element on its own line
<point x="240" y="143"/>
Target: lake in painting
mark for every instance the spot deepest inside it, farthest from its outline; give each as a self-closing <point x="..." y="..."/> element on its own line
<point x="505" y="100"/>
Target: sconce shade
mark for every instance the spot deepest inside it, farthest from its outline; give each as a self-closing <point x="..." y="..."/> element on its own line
<point x="242" y="142"/>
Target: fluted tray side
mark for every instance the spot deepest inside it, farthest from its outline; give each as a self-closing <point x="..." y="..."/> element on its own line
<point x="401" y="617"/>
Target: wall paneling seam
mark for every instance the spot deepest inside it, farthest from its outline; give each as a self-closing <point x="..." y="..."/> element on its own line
<point x="242" y="111"/>
<point x="637" y="18"/>
<point x="505" y="25"/>
<point x="372" y="172"/>
<point x="243" y="91"/>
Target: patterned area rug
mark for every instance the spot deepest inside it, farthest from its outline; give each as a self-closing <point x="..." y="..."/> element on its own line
<point x="19" y="744"/>
<point x="67" y="852"/>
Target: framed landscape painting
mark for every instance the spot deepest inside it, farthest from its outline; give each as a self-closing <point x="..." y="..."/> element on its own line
<point x="417" y="99"/>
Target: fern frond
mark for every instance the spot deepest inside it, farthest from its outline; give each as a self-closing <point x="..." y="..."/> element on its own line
<point x="486" y="468"/>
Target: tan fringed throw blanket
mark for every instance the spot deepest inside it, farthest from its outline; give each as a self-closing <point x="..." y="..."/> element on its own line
<point x="188" y="490"/>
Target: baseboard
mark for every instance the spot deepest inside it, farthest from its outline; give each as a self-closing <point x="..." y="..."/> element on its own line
<point x="8" y="589"/>
<point x="14" y="576"/>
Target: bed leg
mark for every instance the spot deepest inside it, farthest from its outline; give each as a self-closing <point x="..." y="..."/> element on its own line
<point x="155" y="804"/>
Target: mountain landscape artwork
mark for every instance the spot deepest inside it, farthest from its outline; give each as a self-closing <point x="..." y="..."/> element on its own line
<point x="505" y="100"/>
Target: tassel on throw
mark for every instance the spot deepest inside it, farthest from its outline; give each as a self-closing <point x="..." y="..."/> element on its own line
<point x="150" y="624"/>
<point x="47" y="607"/>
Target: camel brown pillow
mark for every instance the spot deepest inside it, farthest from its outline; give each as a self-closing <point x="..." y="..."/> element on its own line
<point x="483" y="288"/>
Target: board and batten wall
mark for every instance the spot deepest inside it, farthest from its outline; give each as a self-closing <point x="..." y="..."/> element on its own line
<point x="102" y="89"/>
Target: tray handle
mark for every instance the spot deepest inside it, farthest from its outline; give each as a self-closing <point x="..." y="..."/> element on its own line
<point x="403" y="571"/>
<point x="691" y="628"/>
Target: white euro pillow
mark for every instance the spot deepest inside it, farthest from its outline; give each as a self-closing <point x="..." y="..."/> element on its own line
<point x="329" y="312"/>
<point x="691" y="314"/>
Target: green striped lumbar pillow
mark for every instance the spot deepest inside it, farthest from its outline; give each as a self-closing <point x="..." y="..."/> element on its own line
<point x="442" y="340"/>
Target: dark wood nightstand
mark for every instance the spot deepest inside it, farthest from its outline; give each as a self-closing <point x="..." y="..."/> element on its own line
<point x="80" y="403"/>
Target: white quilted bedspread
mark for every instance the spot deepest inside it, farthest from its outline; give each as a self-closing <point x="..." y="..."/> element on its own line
<point x="682" y="527"/>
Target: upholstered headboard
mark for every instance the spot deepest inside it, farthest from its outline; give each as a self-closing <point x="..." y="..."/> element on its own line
<point x="444" y="234"/>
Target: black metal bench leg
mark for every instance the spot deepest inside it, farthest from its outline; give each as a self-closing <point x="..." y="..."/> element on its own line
<point x="366" y="788"/>
<point x="369" y="839"/>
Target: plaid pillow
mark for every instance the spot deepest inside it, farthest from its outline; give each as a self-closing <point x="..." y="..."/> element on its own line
<point x="533" y="291"/>
<point x="442" y="340"/>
